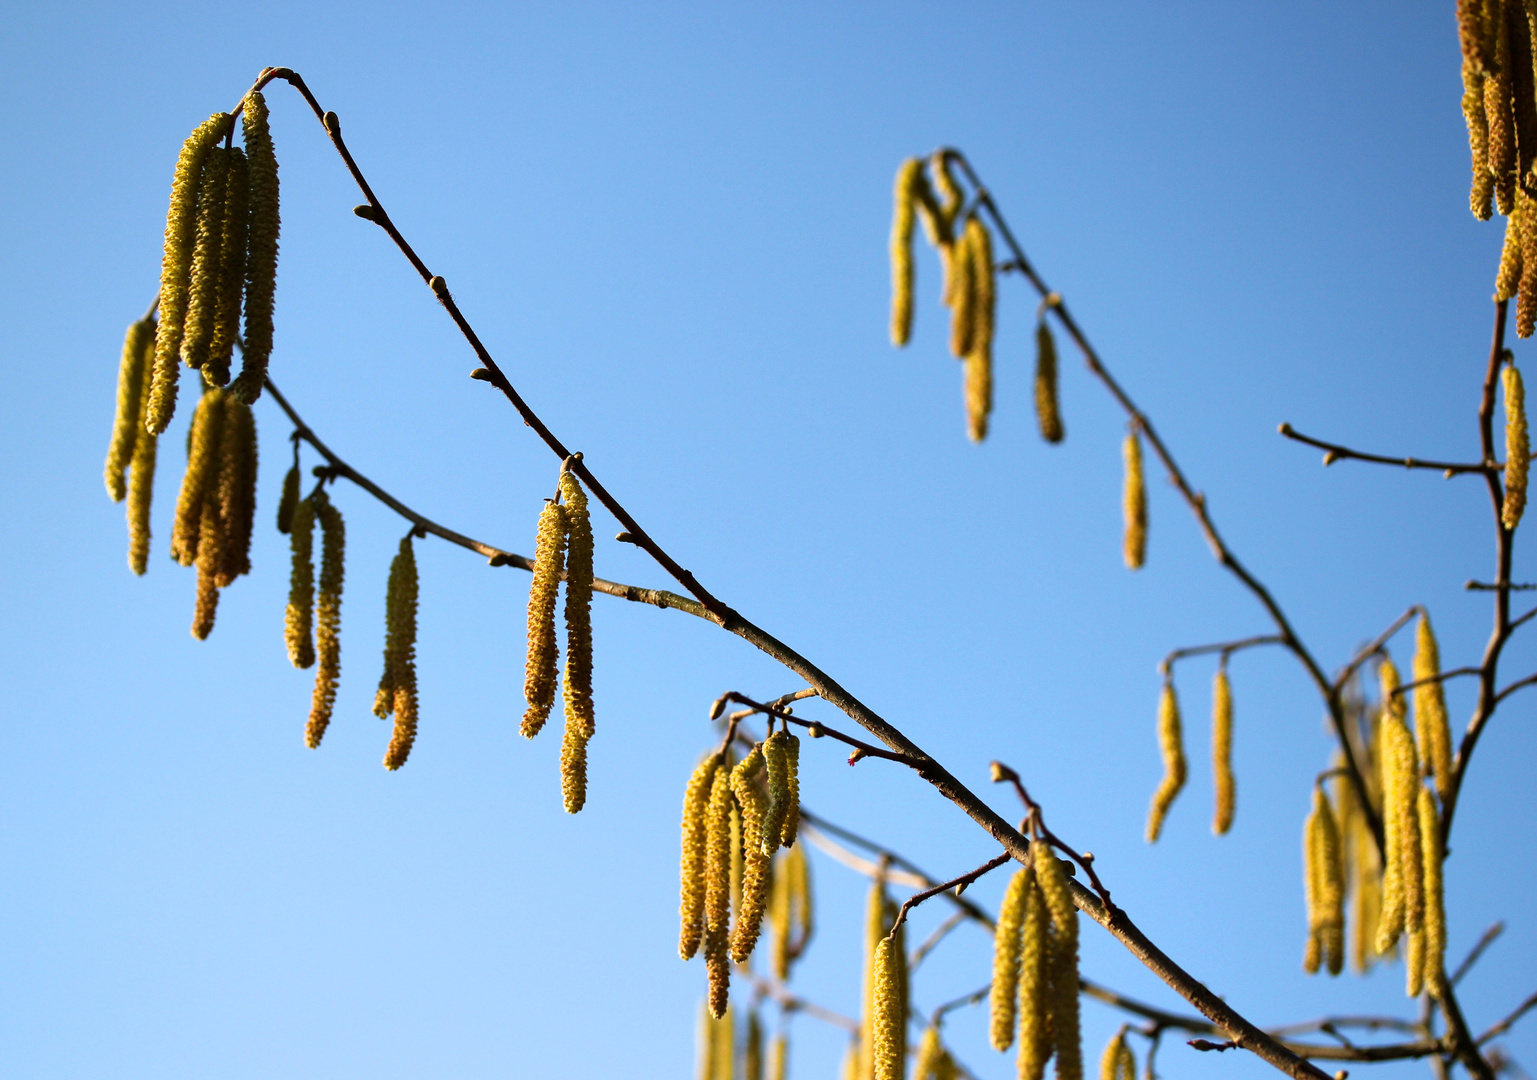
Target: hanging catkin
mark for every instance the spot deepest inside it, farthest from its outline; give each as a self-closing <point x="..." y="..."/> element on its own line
<point x="232" y="262"/>
<point x="755" y="877"/>
<point x="1517" y="448"/>
<point x="876" y="906"/>
<point x="717" y="889"/>
<point x="130" y="404"/>
<point x="176" y="269"/>
<point x="1171" y="745"/>
<point x="962" y="294"/>
<point x="201" y="477"/>
<point x="1325" y="887"/>
<point x="792" y="820"/>
<point x="543" y="656"/>
<point x="384" y="697"/>
<point x="1481" y="194"/>
<point x="904" y="200"/>
<point x="1524" y="106"/>
<point x="1048" y="410"/>
<point x="979" y="354"/>
<point x="777" y="775"/>
<point x="328" y="618"/>
<point x="1435" y="900"/>
<point x="1403" y="907"/>
<point x="402" y="618"/>
<point x="779" y="1057"/>
<point x="1432" y="732"/>
<point x="1134" y="504"/>
<point x="1500" y="111"/>
<point x="691" y="865"/>
<point x="1222" y="752"/>
<point x="789" y="911"/>
<point x="1035" y="958"/>
<point x="207" y="255"/>
<point x="236" y="490"/>
<point x="752" y="1053"/>
<point x="1507" y="280"/>
<point x="889" y="1022"/>
<point x="578" y="681"/>
<point x="1525" y="218"/>
<point x="1004" y="992"/>
<point x="1118" y="1062"/>
<point x="261" y="265"/>
<point x="141" y="476"/>
<point x="289" y="500"/>
<point x="298" y="619"/>
<point x="1363" y="875"/>
<point x="1064" y="961"/>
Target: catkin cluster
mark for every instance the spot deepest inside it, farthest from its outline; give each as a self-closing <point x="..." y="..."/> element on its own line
<point x="1172" y="746"/>
<point x="130" y="468"/>
<point x="1172" y="749"/>
<point x="396" y="695"/>
<point x="217" y="504"/>
<point x="563" y="548"/>
<point x="1034" y="994"/>
<point x="312" y="621"/>
<point x="970" y="277"/>
<point x="221" y="242"/>
<point x="1499" y="103"/>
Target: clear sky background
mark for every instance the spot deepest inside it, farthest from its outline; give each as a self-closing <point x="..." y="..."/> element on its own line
<point x="669" y="225"/>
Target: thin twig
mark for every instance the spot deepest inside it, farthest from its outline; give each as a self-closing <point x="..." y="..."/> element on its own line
<point x="1513" y="687"/>
<point x="1509" y="1021"/>
<point x="1484" y="941"/>
<point x="793" y="1002"/>
<point x="1226" y="648"/>
<point x="1375" y="647"/>
<point x="1337" y="452"/>
<point x="1455" y="673"/>
<point x="816" y="729"/>
<point x="965" y="879"/>
<point x="1485" y="586"/>
<point x="930" y="943"/>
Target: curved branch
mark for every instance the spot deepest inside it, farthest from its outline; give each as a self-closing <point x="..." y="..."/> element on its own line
<point x="1337" y="452"/>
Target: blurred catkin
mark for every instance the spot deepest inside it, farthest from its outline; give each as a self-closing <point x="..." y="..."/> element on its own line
<point x="543" y="657"/>
<point x="207" y="255"/>
<point x="141" y="476"/>
<point x="752" y="1053"/>
<point x="176" y="269"/>
<point x="289" y="500"/>
<point x="1432" y="731"/>
<point x="947" y="191"/>
<point x="876" y="924"/>
<point x="403" y="664"/>
<point x="1222" y="752"/>
<point x="1171" y="745"/>
<point x="691" y="866"/>
<point x="1325" y="888"/>
<point x="1517" y="447"/>
<point x="778" y="1057"/>
<point x="904" y="199"/>
<point x="1004" y="992"/>
<point x="1435" y="900"/>
<point x="328" y="618"/>
<point x="298" y="619"/>
<point x="717" y="888"/>
<point x="1403" y="907"/>
<point x="979" y="354"/>
<point x="1048" y="409"/>
<point x="261" y="264"/>
<point x="1064" y="961"/>
<point x="1134" y="504"/>
<point x="130" y="404"/>
<point x="1118" y="1062"/>
<point x="232" y="260"/>
<point x="1035" y="959"/>
<point x="962" y="294"/>
<point x="755" y="880"/>
<point x="888" y="1027"/>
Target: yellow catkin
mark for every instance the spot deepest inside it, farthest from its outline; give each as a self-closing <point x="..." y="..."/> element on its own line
<point x="1118" y="1062"/>
<point x="1517" y="447"/>
<point x="1365" y="886"/>
<point x="1525" y="217"/>
<point x="261" y="266"/>
<point x="717" y="1045"/>
<point x="779" y="920"/>
<point x="691" y="877"/>
<point x="298" y="619"/>
<point x="717" y="889"/>
<point x="1499" y="108"/>
<point x="963" y="294"/>
<point x="207" y="257"/>
<point x="236" y="490"/>
<point x="1048" y="409"/>
<point x="852" y="1064"/>
<point x="384" y="698"/>
<point x="1034" y="985"/>
<point x="573" y="768"/>
<point x="130" y="395"/>
<point x="403" y="617"/>
<point x="979" y="353"/>
<point x="752" y="1053"/>
<point x="926" y="1062"/>
<point x="1171" y="745"/>
<point x="141" y="476"/>
<point x="888" y="1023"/>
<point x="1403" y="896"/>
<point x="775" y="758"/>
<point x="790" y="914"/>
<point x="1134" y="504"/>
<point x="289" y="500"/>
<point x="1064" y="963"/>
<point x="1471" y="33"/>
<point x="903" y="203"/>
<point x="206" y="605"/>
<point x="1507" y="280"/>
<point x="201" y="477"/>
<point x="753" y="808"/>
<point x="578" y="688"/>
<point x="738" y="867"/>
<point x="1481" y="194"/>
<point x="779" y="1057"/>
<point x="540" y="674"/>
<point x="176" y="269"/>
<point x="1325" y="888"/>
<point x="1222" y="752"/>
<point x="1004" y="994"/>
<point x="876" y="905"/>
<point x="232" y="261"/>
<point x="706" y="1045"/>
<point x="328" y="618"/>
<point x="792" y="820"/>
<point x="1435" y="900"/>
<point x="1432" y="731"/>
<point x="947" y="191"/>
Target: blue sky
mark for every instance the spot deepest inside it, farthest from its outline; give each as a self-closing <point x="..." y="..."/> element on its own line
<point x="669" y="225"/>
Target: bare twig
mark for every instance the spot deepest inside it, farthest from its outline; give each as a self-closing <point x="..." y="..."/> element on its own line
<point x="1455" y="673"/>
<point x="1485" y="586"/>
<point x="816" y="729"/>
<point x="944" y="886"/>
<point x="1513" y="687"/>
<point x="930" y="943"/>
<point x="1368" y="651"/>
<point x="1484" y="941"/>
<point x="793" y="1002"/>
<point x="1226" y="648"/>
<point x="1509" y="1021"/>
<point x="1337" y="452"/>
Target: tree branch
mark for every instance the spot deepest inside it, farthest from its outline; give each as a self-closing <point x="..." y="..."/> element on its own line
<point x="1509" y="1021"/>
<point x="1476" y="951"/>
<point x="1337" y="452"/>
<point x="1226" y="648"/>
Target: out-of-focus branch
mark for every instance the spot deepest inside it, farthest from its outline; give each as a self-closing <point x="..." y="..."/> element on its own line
<point x="1484" y="941"/>
<point x="1336" y="452"/>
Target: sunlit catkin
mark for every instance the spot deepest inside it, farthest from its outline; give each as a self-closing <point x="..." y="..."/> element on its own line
<point x="717" y="889"/>
<point x="203" y="284"/>
<point x="1064" y="963"/>
<point x="753" y="807"/>
<point x="779" y="1057"/>
<point x="888" y="1022"/>
<point x="1481" y="194"/>
<point x="578" y="685"/>
<point x="176" y="269"/>
<point x="962" y="294"/>
<point x="1325" y="888"/>
<point x="298" y="619"/>
<point x="1171" y="745"/>
<point x="261" y="265"/>
<point x="236" y="491"/>
<point x="1403" y="906"/>
<point x="1048" y="409"/>
<point x="792" y="820"/>
<point x="1517" y="447"/>
<point x="1035" y="960"/>
<point x="1134" y="504"/>
<point x="1524" y="215"/>
<point x="328" y="618"/>
<point x="232" y="260"/>
<point x="403" y="676"/>
<point x="540" y="673"/>
<point x="1500" y="111"/>
<point x="289" y="500"/>
<point x="201" y="477"/>
<point x="1432" y="732"/>
<point x="1118" y="1062"/>
<point x="1435" y="900"/>
<point x="130" y="395"/>
<point x="1222" y="752"/>
<point x="1507" y="280"/>
<point x="691" y="865"/>
<point x="777" y="774"/>
<point x="876" y="906"/>
<point x="979" y="354"/>
<point x="141" y="474"/>
<point x="946" y="189"/>
<point x="904" y="201"/>
<point x="1004" y="993"/>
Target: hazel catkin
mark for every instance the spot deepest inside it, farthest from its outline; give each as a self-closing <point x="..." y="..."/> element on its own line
<point x="235" y="490"/>
<point x="1134" y="504"/>
<point x="1481" y="193"/>
<point x="1222" y="752"/>
<point x="288" y="500"/>
<point x="207" y="255"/>
<point x="403" y="664"/>
<point x="232" y="263"/>
<point x="1048" y="410"/>
<point x="141" y="476"/>
<point x="1004" y="992"/>
<point x="1435" y="900"/>
<point x="1325" y="888"/>
<point x="298" y="620"/>
<point x="201" y="477"/>
<point x="1517" y="447"/>
<point x="889" y="1020"/>
<point x="691" y="864"/>
<point x="1508" y="278"/>
<point x="717" y="888"/>
<point x="1064" y="961"/>
<point x="1499" y="108"/>
<point x="1035" y="1034"/>
<point x="1171" y="745"/>
<point x="261" y="264"/>
<point x="792" y="819"/>
<point x="328" y="618"/>
<point x="1118" y="1062"/>
<point x="904" y="201"/>
<point x="543" y="658"/>
<point x="578" y="681"/>
<point x="778" y="780"/>
<point x="1432" y="731"/>
<point x="979" y="352"/>
<point x="130" y="394"/>
<point x="752" y="808"/>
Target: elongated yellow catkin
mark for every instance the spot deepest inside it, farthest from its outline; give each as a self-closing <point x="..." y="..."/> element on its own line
<point x="853" y="1062"/>
<point x="1525" y="218"/>
<point x="261" y="266"/>
<point x="232" y="259"/>
<point x="792" y="820"/>
<point x="1325" y="888"/>
<point x="1507" y="280"/>
<point x="403" y="620"/>
<point x="201" y="477"/>
<point x="1118" y="1062"/>
<point x="573" y="768"/>
<point x="706" y="1045"/>
<point x="289" y="500"/>
<point x="1403" y="894"/>
<point x="1035" y="1037"/>
<point x="1471" y="33"/>
<point x="1517" y="448"/>
<point x="1363" y="871"/>
<point x="1435" y="899"/>
<point x="1222" y="752"/>
<point x="1134" y="504"/>
<point x="578" y="688"/>
<point x="738" y="867"/>
<point x="298" y="619"/>
<point x="130" y="395"/>
<point x="926" y="1063"/>
<point x="717" y="889"/>
<point x="1432" y="731"/>
<point x="777" y="772"/>
<point x="141" y="476"/>
<point x="1048" y="409"/>
<point x="176" y="269"/>
<point x="962" y="295"/>
<point x="1064" y="961"/>
<point x="206" y="605"/>
<point x="789" y="912"/>
<point x="779" y="1057"/>
<point x="1481" y="194"/>
<point x="717" y="1045"/>
<point x="904" y="199"/>
<point x="947" y="191"/>
<point x="752" y="1053"/>
<point x="384" y="697"/>
<point x="755" y="878"/>
<point x="1172" y="746"/>
<point x="1007" y="939"/>
<point x="207" y="256"/>
<point x="800" y="892"/>
<point x="543" y="657"/>
<point x="876" y="906"/>
<point x="328" y="618"/>
<point x="691" y="865"/>
<point x="1500" y="110"/>
<point x="236" y="490"/>
<point x="888" y="1024"/>
<point x="979" y="353"/>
